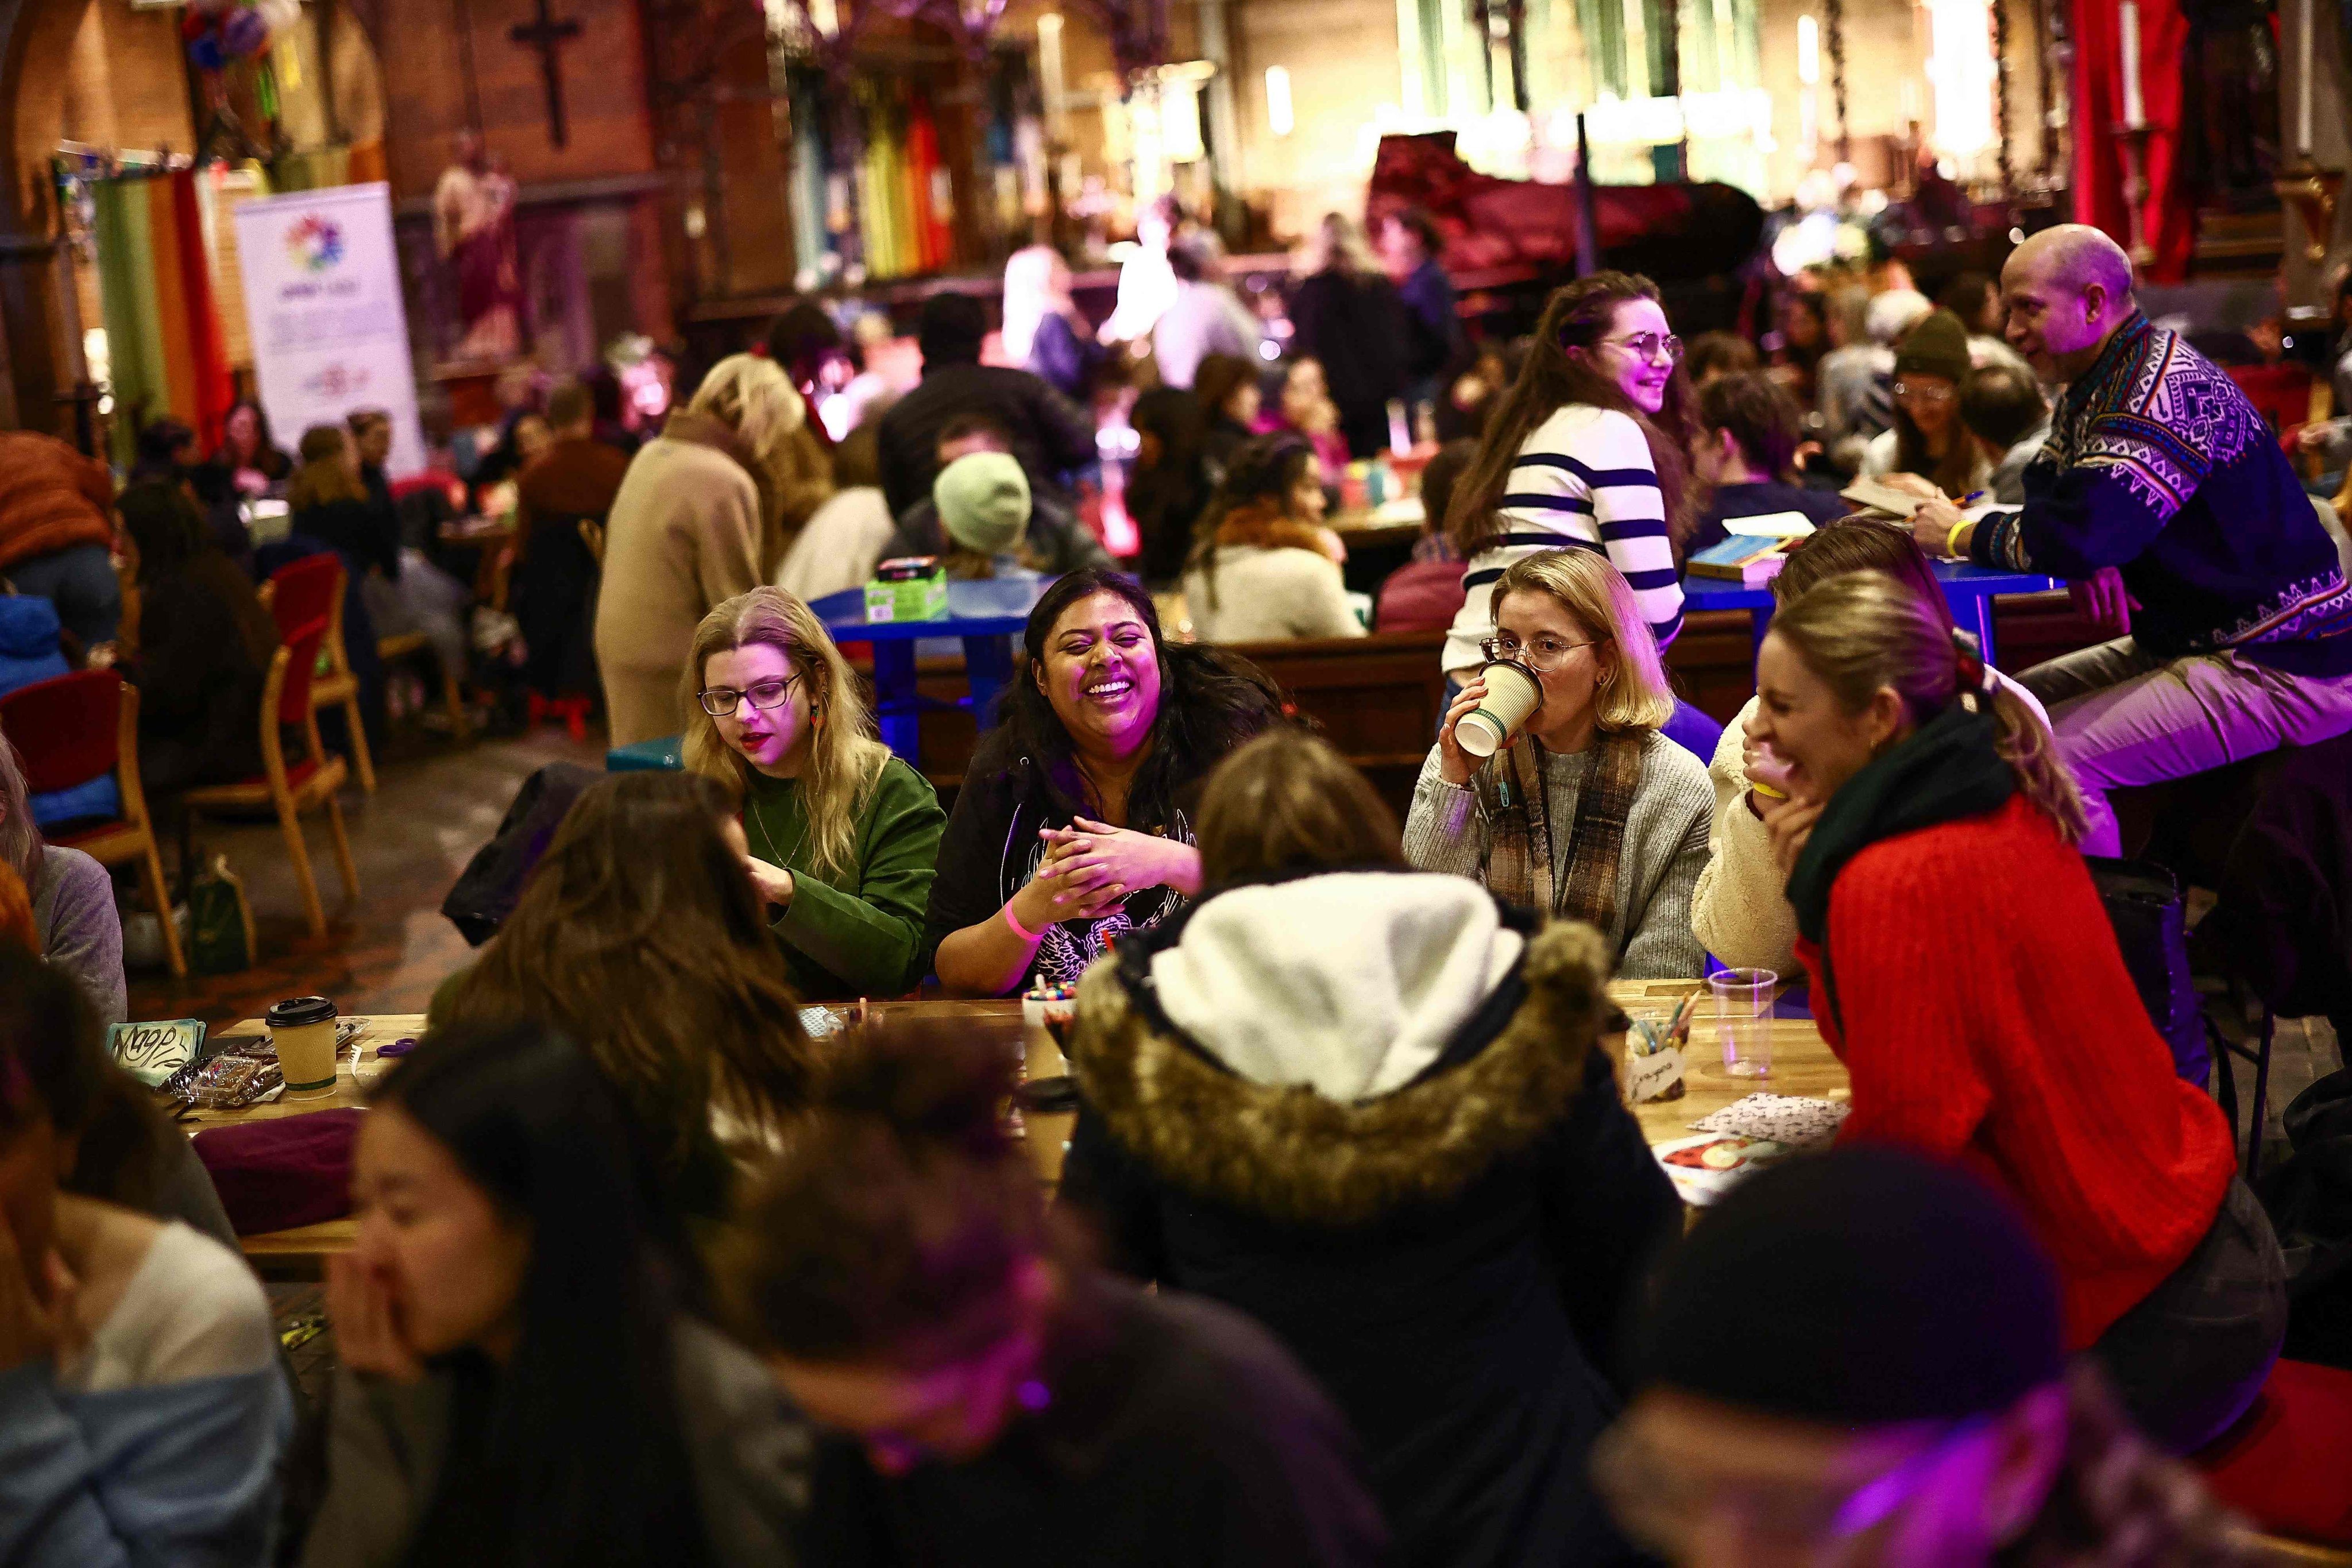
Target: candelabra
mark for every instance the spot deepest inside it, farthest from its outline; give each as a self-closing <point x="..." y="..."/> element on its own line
<point x="2311" y="191"/>
<point x="2133" y="141"/>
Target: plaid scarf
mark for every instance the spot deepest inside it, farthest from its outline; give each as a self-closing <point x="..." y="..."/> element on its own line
<point x="1518" y="865"/>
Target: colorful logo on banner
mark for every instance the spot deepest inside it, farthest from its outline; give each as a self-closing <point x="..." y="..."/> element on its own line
<point x="315" y="243"/>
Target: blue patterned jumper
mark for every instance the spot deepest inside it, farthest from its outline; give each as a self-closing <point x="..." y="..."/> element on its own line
<point x="2158" y="465"/>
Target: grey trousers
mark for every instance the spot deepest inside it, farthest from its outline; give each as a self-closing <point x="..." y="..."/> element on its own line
<point x="2122" y="717"/>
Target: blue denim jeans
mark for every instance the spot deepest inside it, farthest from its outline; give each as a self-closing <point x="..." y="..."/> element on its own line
<point x="80" y="581"/>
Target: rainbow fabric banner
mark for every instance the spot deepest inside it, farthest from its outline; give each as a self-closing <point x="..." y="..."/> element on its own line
<point x="162" y="331"/>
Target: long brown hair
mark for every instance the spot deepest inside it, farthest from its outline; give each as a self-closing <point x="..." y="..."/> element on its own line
<point x="1860" y="542"/>
<point x="1866" y="630"/>
<point x="1954" y="472"/>
<point x="1558" y="372"/>
<point x="845" y="760"/>
<point x="329" y="471"/>
<point x="641" y="936"/>
<point x="1253" y="501"/>
<point x="1287" y="801"/>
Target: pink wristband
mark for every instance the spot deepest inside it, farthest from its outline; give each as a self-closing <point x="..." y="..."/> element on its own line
<point x="1031" y="937"/>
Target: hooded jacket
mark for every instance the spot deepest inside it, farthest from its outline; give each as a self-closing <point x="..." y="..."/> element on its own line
<point x="1363" y="1107"/>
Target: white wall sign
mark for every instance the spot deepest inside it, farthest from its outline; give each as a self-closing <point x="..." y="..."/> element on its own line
<point x="322" y="300"/>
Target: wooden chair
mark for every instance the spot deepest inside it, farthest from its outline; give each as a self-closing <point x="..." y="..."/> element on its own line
<point x="453" y="696"/>
<point x="312" y="589"/>
<point x="293" y="789"/>
<point x="72" y="728"/>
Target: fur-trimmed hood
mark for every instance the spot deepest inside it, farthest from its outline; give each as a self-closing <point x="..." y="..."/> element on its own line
<point x="1326" y="1049"/>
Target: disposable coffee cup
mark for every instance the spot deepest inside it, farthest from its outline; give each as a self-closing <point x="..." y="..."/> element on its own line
<point x="1512" y="694"/>
<point x="304" y="1030"/>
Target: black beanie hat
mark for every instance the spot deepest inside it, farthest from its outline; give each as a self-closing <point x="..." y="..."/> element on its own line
<point x="1865" y="1286"/>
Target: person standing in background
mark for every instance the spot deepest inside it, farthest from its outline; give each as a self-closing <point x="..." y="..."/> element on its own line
<point x="1050" y="435"/>
<point x="1347" y="315"/>
<point x="1411" y="244"/>
<point x="573" y="484"/>
<point x="1044" y="332"/>
<point x="1204" y="317"/>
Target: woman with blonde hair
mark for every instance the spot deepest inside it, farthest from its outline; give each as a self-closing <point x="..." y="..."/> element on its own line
<point x="1965" y="971"/>
<point x="842" y="838"/>
<point x="705" y="512"/>
<point x="1044" y="332"/>
<point x="1588" y="812"/>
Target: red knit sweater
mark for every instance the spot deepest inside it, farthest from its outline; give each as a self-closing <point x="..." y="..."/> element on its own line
<point x="1987" y="1017"/>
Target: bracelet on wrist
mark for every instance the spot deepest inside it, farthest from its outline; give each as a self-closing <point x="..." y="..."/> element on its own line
<point x="1952" y="540"/>
<point x="1013" y="923"/>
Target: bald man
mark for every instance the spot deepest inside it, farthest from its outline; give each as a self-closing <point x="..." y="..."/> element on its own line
<point x="2160" y="480"/>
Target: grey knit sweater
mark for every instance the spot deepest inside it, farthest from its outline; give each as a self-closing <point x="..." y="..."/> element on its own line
<point x="74" y="915"/>
<point x="1665" y="848"/>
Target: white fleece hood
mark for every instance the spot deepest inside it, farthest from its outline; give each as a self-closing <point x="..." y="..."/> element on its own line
<point x="1351" y="983"/>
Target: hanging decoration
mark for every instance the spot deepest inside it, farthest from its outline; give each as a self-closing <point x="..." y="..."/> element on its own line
<point x="1834" y="14"/>
<point x="2001" y="100"/>
<point x="226" y="37"/>
<point x="1138" y="29"/>
<point x="163" y="327"/>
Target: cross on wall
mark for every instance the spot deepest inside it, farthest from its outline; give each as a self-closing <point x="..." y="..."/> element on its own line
<point x="548" y="33"/>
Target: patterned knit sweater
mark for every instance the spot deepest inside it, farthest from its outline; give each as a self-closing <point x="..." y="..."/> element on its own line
<point x="2158" y="464"/>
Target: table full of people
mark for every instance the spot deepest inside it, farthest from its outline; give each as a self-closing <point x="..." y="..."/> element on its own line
<point x="1356" y="1255"/>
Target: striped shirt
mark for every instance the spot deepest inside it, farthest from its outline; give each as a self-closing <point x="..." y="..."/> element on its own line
<point x="1582" y="482"/>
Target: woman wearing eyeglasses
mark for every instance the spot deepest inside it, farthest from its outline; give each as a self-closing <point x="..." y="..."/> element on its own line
<point x="842" y="838"/>
<point x="1928" y="438"/>
<point x="1586" y="451"/>
<point x="1590" y="813"/>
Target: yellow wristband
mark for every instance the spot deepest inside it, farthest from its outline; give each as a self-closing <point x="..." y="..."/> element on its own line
<point x="1952" y="540"/>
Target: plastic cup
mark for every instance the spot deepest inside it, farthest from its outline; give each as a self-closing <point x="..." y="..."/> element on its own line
<point x="1743" y="1017"/>
<point x="303" y="1028"/>
<point x="1512" y="694"/>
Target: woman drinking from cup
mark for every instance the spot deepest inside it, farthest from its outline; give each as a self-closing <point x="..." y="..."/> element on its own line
<point x="517" y="1381"/>
<point x="1366" y="1107"/>
<point x="1551" y="781"/>
<point x="1585" y="451"/>
<point x="844" y="836"/>
<point x="1074" y="824"/>
<point x="1965" y="970"/>
<point x="1739" y="911"/>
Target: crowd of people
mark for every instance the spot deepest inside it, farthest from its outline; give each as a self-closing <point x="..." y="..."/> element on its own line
<point x="1357" y="1256"/>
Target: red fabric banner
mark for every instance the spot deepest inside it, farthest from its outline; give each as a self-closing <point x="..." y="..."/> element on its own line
<point x="2169" y="223"/>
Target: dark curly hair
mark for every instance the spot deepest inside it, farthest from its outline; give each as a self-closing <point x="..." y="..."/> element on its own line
<point x="1210" y="702"/>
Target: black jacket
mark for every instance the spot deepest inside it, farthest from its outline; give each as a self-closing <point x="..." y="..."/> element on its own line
<point x="1051" y="435"/>
<point x="1449" y="1258"/>
<point x="1175" y="1434"/>
<point x="1356" y="327"/>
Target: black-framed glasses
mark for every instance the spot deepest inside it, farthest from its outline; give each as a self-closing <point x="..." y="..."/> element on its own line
<point x="1649" y="347"/>
<point x="718" y="701"/>
<point x="1545" y="653"/>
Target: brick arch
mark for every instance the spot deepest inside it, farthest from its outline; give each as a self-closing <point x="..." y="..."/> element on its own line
<point x="35" y="45"/>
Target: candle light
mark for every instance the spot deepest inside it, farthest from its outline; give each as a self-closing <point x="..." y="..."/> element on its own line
<point x="2302" y="55"/>
<point x="2127" y="43"/>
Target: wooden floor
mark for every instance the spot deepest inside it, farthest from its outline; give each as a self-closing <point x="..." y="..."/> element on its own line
<point x="435" y="805"/>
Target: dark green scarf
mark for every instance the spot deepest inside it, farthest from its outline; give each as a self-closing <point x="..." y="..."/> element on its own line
<point x="1949" y="768"/>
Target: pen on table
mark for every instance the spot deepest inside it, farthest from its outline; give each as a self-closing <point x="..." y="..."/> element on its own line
<point x="1971" y="498"/>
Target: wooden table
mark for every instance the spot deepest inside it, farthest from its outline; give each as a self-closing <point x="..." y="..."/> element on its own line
<point x="1801" y="1064"/>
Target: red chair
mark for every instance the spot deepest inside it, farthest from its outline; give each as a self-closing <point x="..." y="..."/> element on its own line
<point x="2288" y="1465"/>
<point x="2281" y="394"/>
<point x="312" y="589"/>
<point x="69" y="730"/>
<point x="293" y="789"/>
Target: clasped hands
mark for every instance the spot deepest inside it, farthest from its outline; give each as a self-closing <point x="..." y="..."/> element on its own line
<point x="1091" y="866"/>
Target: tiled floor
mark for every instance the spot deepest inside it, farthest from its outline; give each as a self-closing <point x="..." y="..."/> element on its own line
<point x="435" y="805"/>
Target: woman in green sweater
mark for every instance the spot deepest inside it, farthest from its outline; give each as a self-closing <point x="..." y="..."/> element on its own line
<point x="843" y="836"/>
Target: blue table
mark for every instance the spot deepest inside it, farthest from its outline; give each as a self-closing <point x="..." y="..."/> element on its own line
<point x="1969" y="589"/>
<point x="987" y="616"/>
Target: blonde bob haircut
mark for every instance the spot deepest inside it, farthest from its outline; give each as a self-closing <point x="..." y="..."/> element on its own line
<point x="844" y="758"/>
<point x="1633" y="694"/>
<point x="753" y="396"/>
